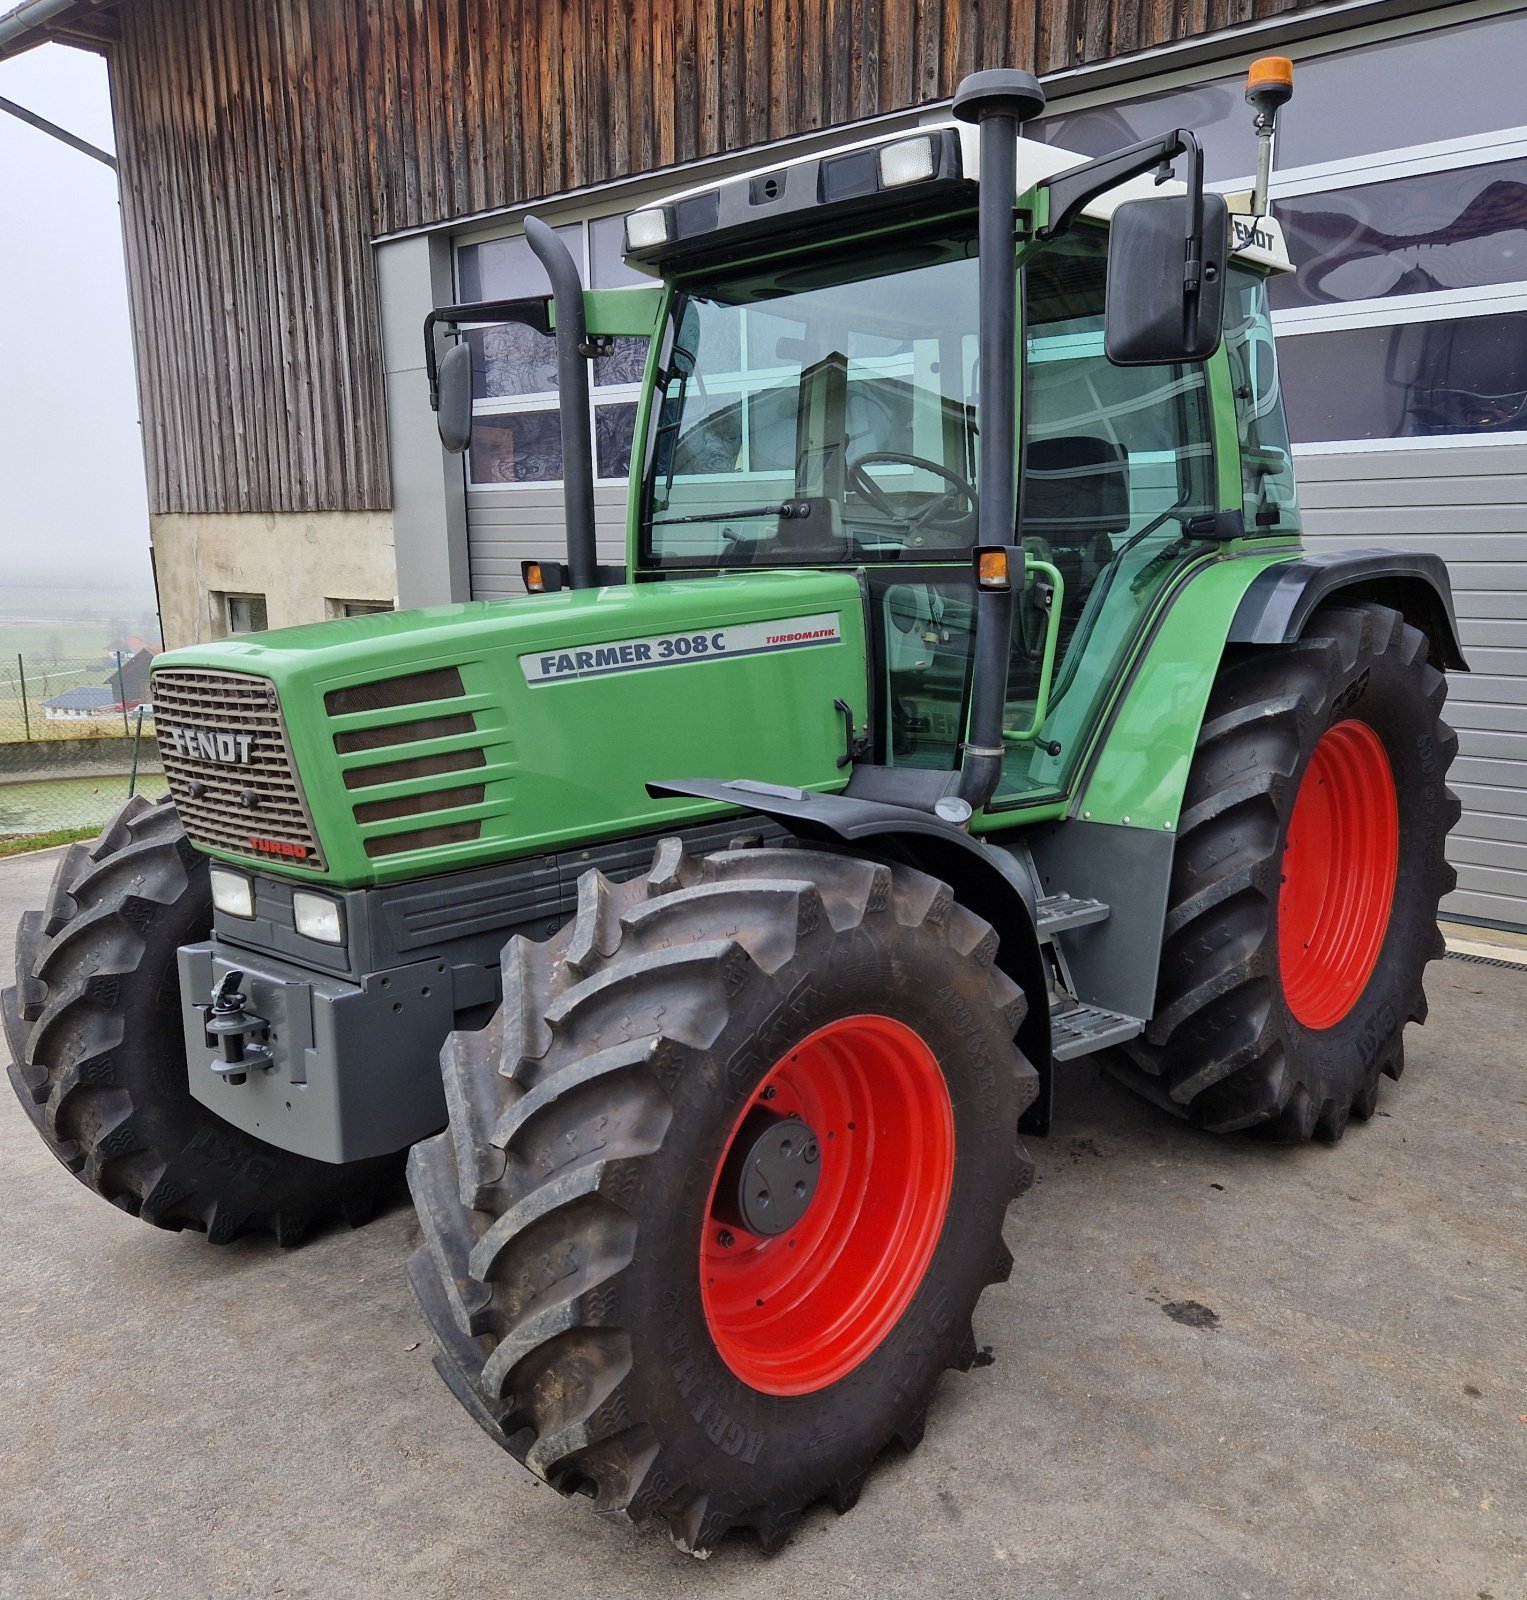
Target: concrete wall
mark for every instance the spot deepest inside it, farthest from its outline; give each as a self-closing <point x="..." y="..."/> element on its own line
<point x="297" y="560"/>
<point x="28" y="760"/>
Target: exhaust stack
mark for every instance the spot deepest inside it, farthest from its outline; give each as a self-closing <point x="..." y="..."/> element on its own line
<point x="1000" y="102"/>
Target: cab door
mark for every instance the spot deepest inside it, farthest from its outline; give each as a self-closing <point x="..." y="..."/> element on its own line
<point x="1114" y="462"/>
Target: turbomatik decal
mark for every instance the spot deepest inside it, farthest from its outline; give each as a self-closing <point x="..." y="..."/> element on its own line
<point x="674" y="649"/>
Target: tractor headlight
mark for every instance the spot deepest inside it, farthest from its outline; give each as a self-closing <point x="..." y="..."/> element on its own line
<point x="317" y="916"/>
<point x="907" y="161"/>
<point x="232" y="892"/>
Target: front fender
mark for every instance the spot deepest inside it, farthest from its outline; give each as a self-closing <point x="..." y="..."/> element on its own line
<point x="986" y="880"/>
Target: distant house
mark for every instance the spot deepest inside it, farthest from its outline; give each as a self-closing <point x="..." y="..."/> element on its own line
<point x="133" y="683"/>
<point x="130" y="644"/>
<point x="92" y="700"/>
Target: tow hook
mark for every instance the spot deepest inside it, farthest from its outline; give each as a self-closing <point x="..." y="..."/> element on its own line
<point x="228" y="1027"/>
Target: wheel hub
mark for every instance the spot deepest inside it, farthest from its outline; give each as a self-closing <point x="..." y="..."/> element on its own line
<point x="770" y="1175"/>
<point x="851" y="1138"/>
<point x="1340" y="863"/>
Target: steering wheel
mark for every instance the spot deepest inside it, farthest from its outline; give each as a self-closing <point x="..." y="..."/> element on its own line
<point x="957" y="502"/>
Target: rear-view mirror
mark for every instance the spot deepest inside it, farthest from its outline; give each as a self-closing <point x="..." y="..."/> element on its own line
<point x="454" y="415"/>
<point x="1152" y="316"/>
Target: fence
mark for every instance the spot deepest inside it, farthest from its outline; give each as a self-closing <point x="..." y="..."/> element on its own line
<point x="76" y="740"/>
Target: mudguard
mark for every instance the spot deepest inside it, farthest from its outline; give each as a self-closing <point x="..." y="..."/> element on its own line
<point x="1280" y="601"/>
<point x="985" y="879"/>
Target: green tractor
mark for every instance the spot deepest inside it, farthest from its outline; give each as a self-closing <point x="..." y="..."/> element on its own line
<point x="966" y="705"/>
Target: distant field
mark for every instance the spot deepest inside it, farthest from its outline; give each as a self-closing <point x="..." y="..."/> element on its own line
<point x="42" y="620"/>
<point x="43" y="680"/>
<point x="40" y="641"/>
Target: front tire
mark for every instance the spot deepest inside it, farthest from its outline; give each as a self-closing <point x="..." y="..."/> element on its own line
<point x="1305" y="885"/>
<point x="99" y="1057"/>
<point x="601" y="1301"/>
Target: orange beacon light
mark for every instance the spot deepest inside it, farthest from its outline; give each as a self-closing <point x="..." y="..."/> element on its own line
<point x="1269" y="84"/>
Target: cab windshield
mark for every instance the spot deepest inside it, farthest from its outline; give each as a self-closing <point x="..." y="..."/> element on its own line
<point x="820" y="414"/>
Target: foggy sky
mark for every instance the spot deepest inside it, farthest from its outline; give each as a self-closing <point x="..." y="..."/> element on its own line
<point x="72" y="496"/>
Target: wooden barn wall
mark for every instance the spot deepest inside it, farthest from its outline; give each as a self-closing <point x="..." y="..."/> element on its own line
<point x="264" y="142"/>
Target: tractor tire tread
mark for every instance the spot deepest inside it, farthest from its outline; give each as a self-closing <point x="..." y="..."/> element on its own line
<point x="1217" y="1049"/>
<point x="115" y="909"/>
<point x="560" y="1109"/>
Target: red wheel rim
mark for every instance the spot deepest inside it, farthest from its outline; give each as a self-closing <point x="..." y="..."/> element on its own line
<point x="1339" y="866"/>
<point x="795" y="1312"/>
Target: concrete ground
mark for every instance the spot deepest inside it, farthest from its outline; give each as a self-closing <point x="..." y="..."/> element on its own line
<point x="179" y="1421"/>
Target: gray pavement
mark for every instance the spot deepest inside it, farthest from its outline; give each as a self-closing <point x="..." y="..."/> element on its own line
<point x="178" y="1421"/>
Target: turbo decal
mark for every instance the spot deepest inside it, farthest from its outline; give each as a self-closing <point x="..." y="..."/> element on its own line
<point x="672" y="649"/>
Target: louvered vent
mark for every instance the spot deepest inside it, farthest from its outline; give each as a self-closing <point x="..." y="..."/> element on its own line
<point x="229" y="765"/>
<point x="401" y="693"/>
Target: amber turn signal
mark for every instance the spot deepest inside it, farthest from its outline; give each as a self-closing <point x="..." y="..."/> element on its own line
<point x="991" y="568"/>
<point x="535" y="581"/>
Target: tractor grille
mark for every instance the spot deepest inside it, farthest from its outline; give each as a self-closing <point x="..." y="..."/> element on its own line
<point x="452" y="768"/>
<point x="229" y="764"/>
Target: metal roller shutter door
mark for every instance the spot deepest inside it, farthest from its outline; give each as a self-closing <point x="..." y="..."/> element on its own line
<point x="1470" y="506"/>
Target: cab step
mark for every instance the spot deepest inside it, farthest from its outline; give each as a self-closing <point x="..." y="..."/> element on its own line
<point x="1085" y="1029"/>
<point x="1057" y="912"/>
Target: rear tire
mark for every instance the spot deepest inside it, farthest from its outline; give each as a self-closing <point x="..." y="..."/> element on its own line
<point x="99" y="1060"/>
<point x="1308" y="869"/>
<point x="577" y="1275"/>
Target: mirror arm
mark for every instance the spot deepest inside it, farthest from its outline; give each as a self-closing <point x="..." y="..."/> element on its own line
<point x="532" y="313"/>
<point x="432" y="361"/>
<point x="1193" y="250"/>
<point x="1070" y="191"/>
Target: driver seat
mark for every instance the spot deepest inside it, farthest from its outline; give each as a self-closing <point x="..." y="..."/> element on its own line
<point x="1075" y="496"/>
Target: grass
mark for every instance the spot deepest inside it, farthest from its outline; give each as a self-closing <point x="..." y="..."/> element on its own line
<point x="53" y="803"/>
<point x="13" y="726"/>
<point x="15" y="844"/>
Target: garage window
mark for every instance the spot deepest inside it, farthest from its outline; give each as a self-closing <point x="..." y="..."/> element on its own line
<point x="517" y="426"/>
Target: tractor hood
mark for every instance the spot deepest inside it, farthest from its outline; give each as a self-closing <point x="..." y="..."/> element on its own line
<point x="387" y="747"/>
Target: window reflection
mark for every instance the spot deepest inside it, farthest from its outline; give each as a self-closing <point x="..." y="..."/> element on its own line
<point x="1438" y="230"/>
<point x="519" y="447"/>
<point x="1380" y="96"/>
<point x="511" y="359"/>
<point x="1420" y="379"/>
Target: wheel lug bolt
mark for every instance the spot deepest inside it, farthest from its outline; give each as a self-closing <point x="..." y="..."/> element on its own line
<point x="726" y="1239"/>
<point x="770" y="1092"/>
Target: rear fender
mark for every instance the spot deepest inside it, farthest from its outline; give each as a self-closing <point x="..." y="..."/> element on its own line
<point x="1280" y="601"/>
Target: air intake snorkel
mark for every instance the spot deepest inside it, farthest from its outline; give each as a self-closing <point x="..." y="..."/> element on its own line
<point x="1000" y="102"/>
<point x="450" y="384"/>
<point x="573" y="399"/>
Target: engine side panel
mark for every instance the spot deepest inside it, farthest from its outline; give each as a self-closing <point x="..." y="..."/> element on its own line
<point x="430" y="742"/>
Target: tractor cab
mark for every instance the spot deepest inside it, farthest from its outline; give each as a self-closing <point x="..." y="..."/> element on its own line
<point x="820" y="405"/>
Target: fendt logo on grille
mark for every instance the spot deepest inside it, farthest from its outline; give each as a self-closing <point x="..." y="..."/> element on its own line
<point x="212" y="744"/>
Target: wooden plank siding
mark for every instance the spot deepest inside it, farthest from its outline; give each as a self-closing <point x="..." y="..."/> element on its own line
<point x="265" y="142"/>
